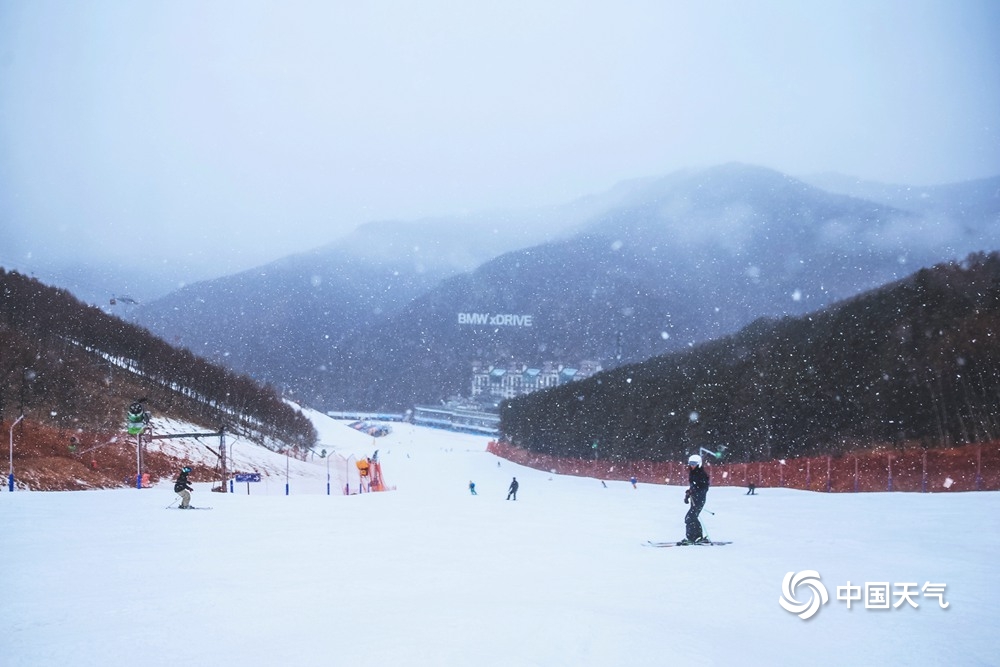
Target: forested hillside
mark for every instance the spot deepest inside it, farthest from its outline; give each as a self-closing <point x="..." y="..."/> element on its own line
<point x="71" y="366"/>
<point x="915" y="362"/>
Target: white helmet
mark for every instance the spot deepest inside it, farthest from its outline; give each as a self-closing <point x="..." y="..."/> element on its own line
<point x="694" y="459"/>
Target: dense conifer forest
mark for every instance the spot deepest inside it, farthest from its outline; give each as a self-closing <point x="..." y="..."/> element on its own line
<point x="916" y="362"/>
<point x="72" y="366"/>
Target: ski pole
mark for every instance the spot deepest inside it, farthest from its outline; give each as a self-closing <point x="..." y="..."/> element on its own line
<point x="171" y="504"/>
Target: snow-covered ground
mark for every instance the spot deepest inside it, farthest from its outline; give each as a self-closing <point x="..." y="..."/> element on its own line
<point x="431" y="575"/>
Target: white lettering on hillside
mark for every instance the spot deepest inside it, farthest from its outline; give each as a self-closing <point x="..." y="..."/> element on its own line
<point x="498" y="320"/>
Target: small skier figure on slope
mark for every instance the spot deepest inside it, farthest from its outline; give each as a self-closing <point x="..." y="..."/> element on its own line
<point x="183" y="488"/>
<point x="472" y="488"/>
<point x="696" y="494"/>
<point x="512" y="491"/>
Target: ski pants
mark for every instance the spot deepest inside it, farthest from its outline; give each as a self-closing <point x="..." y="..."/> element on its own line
<point x="691" y="523"/>
<point x="185" y="497"/>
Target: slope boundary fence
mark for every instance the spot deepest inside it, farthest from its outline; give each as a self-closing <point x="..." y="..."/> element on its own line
<point x="967" y="468"/>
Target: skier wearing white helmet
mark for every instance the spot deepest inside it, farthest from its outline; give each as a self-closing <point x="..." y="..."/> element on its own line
<point x="696" y="494"/>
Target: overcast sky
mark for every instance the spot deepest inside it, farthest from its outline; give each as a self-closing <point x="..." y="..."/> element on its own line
<point x="234" y="132"/>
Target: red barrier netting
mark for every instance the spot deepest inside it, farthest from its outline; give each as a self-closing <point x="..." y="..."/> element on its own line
<point x="966" y="468"/>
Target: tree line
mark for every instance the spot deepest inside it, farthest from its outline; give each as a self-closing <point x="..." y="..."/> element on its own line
<point x="916" y="362"/>
<point x="73" y="365"/>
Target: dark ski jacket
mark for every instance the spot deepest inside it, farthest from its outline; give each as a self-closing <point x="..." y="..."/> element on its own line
<point x="698" y="479"/>
<point x="513" y="487"/>
<point x="182" y="483"/>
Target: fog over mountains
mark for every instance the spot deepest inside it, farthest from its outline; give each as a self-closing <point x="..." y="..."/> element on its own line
<point x="384" y="319"/>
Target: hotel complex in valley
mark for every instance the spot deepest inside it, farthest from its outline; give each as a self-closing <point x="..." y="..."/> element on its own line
<point x="496" y="383"/>
<point x="492" y="384"/>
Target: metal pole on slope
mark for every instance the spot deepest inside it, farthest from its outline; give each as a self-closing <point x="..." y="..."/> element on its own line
<point x="137" y="421"/>
<point x="138" y="461"/>
<point x="233" y="465"/>
<point x="286" y="471"/>
<point x="222" y="457"/>
<point x="10" y="477"/>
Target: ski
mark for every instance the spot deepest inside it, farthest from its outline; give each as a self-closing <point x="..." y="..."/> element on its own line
<point x="711" y="543"/>
<point x="191" y="507"/>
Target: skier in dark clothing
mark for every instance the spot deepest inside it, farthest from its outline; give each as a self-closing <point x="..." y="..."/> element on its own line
<point x="696" y="494"/>
<point x="512" y="491"/>
<point x="183" y="488"/>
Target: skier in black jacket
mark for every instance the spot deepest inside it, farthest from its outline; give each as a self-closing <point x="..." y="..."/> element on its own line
<point x="512" y="491"/>
<point x="183" y="488"/>
<point x="696" y="495"/>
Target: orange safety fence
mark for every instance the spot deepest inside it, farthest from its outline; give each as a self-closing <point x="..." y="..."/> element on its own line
<point x="966" y="468"/>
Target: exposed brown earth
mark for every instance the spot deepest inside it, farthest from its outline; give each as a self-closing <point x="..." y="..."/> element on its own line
<point x="50" y="459"/>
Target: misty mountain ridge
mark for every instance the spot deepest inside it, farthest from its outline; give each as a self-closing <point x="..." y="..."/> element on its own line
<point x="272" y="321"/>
<point x="958" y="209"/>
<point x="657" y="265"/>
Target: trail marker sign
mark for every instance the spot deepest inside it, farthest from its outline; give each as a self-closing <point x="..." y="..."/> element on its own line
<point x="246" y="477"/>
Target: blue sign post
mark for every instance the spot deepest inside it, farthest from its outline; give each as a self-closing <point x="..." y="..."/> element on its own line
<point x="247" y="477"/>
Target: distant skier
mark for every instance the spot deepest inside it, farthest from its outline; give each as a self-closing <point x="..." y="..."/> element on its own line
<point x="696" y="494"/>
<point x="512" y="491"/>
<point x="472" y="488"/>
<point x="183" y="488"/>
<point x="634" y="481"/>
<point x="751" y="489"/>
